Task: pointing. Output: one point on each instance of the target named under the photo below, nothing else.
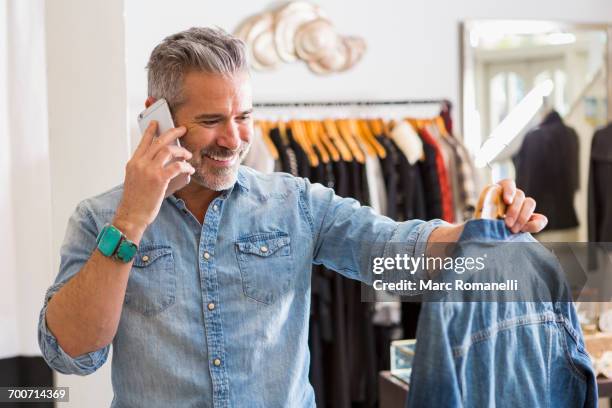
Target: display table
(391, 390)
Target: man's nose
(230, 139)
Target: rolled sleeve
(347, 235)
(79, 242)
(53, 353)
(412, 241)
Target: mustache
(222, 152)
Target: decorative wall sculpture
(299, 31)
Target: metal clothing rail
(353, 103)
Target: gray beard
(219, 179)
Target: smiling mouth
(224, 161)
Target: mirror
(502, 61)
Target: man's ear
(150, 101)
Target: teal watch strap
(113, 243)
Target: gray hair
(210, 50)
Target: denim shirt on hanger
(503, 353)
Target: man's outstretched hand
(520, 215)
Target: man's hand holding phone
(156, 161)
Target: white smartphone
(160, 111)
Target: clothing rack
(354, 103)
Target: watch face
(108, 240)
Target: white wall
(95, 93)
(25, 213)
(413, 46)
(87, 129)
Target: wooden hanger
(439, 122)
(360, 137)
(417, 124)
(264, 127)
(314, 137)
(376, 126)
(324, 137)
(345, 132)
(369, 135)
(386, 126)
(331, 129)
(304, 141)
(491, 203)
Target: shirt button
(145, 258)
(217, 362)
(211, 306)
(206, 255)
(264, 249)
(215, 207)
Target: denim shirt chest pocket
(152, 283)
(266, 265)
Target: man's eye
(209, 122)
(244, 117)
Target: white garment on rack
(259, 157)
(408, 141)
(376, 181)
(376, 185)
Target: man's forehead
(217, 93)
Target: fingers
(146, 139)
(514, 209)
(536, 223)
(176, 168)
(509, 189)
(168, 152)
(524, 215)
(166, 138)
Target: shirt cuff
(412, 241)
(53, 353)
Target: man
(213, 308)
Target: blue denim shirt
(216, 315)
(503, 353)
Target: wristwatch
(113, 243)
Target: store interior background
(75, 80)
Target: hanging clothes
(442, 180)
(288, 159)
(466, 174)
(461, 172)
(390, 175)
(600, 187)
(547, 170)
(450, 164)
(349, 339)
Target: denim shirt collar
(241, 181)
(482, 230)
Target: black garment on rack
(287, 156)
(413, 192)
(431, 183)
(278, 143)
(600, 186)
(303, 164)
(547, 170)
(341, 177)
(343, 353)
(390, 172)
(405, 183)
